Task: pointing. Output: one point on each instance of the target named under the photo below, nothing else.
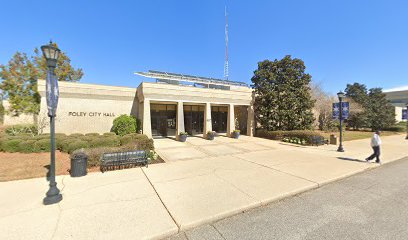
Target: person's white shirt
(375, 140)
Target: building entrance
(219, 116)
(163, 119)
(194, 119)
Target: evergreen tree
(377, 111)
(282, 95)
(381, 113)
(19, 79)
(358, 94)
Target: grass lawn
(355, 135)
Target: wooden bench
(111, 161)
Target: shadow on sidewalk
(351, 159)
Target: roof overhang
(189, 78)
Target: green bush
(109, 134)
(43, 145)
(63, 144)
(27, 146)
(10, 145)
(75, 145)
(395, 128)
(301, 135)
(42, 136)
(22, 128)
(92, 134)
(124, 124)
(129, 138)
(76, 135)
(105, 142)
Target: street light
(340, 95)
(51, 54)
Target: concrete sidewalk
(159, 201)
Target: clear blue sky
(341, 42)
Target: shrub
(92, 134)
(395, 128)
(294, 136)
(20, 129)
(105, 142)
(42, 136)
(76, 135)
(43, 145)
(63, 144)
(109, 134)
(137, 141)
(27, 146)
(75, 145)
(124, 124)
(10, 145)
(129, 138)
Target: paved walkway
(201, 183)
(366, 206)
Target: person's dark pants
(376, 154)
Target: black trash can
(79, 163)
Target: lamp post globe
(340, 95)
(51, 54)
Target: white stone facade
(88, 108)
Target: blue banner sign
(404, 114)
(345, 110)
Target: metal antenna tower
(226, 73)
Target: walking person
(375, 144)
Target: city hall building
(167, 105)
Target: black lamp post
(341, 96)
(51, 53)
(407, 121)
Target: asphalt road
(370, 205)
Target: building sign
(91, 114)
(345, 112)
(404, 114)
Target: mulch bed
(16, 166)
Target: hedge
(305, 135)
(43, 145)
(10, 145)
(69, 143)
(395, 128)
(26, 146)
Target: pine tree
(282, 95)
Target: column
(231, 120)
(147, 124)
(207, 120)
(180, 119)
(251, 121)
